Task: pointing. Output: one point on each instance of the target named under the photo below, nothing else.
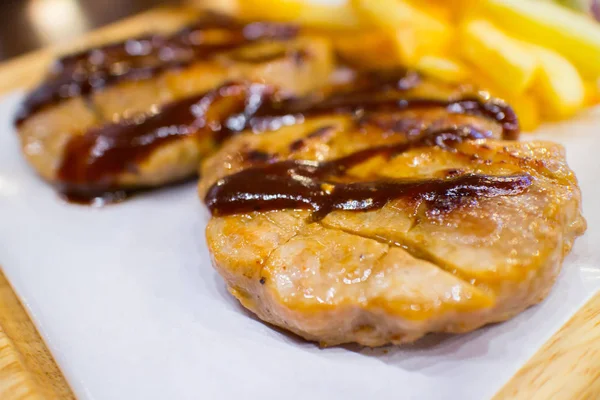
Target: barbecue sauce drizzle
(91, 161)
(144, 57)
(320, 186)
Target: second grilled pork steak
(94, 100)
(344, 231)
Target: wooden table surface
(566, 367)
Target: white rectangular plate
(127, 300)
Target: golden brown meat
(89, 96)
(447, 261)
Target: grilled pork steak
(124, 116)
(380, 227)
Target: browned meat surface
(89, 99)
(433, 260)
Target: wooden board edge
(27, 369)
(566, 367)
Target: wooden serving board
(566, 367)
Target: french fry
(415, 32)
(329, 16)
(592, 93)
(503, 59)
(558, 84)
(443, 69)
(572, 35)
(528, 110)
(227, 7)
(373, 49)
(441, 10)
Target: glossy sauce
(279, 113)
(102, 153)
(92, 160)
(320, 186)
(142, 58)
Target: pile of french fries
(540, 57)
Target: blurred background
(26, 25)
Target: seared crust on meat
(394, 274)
